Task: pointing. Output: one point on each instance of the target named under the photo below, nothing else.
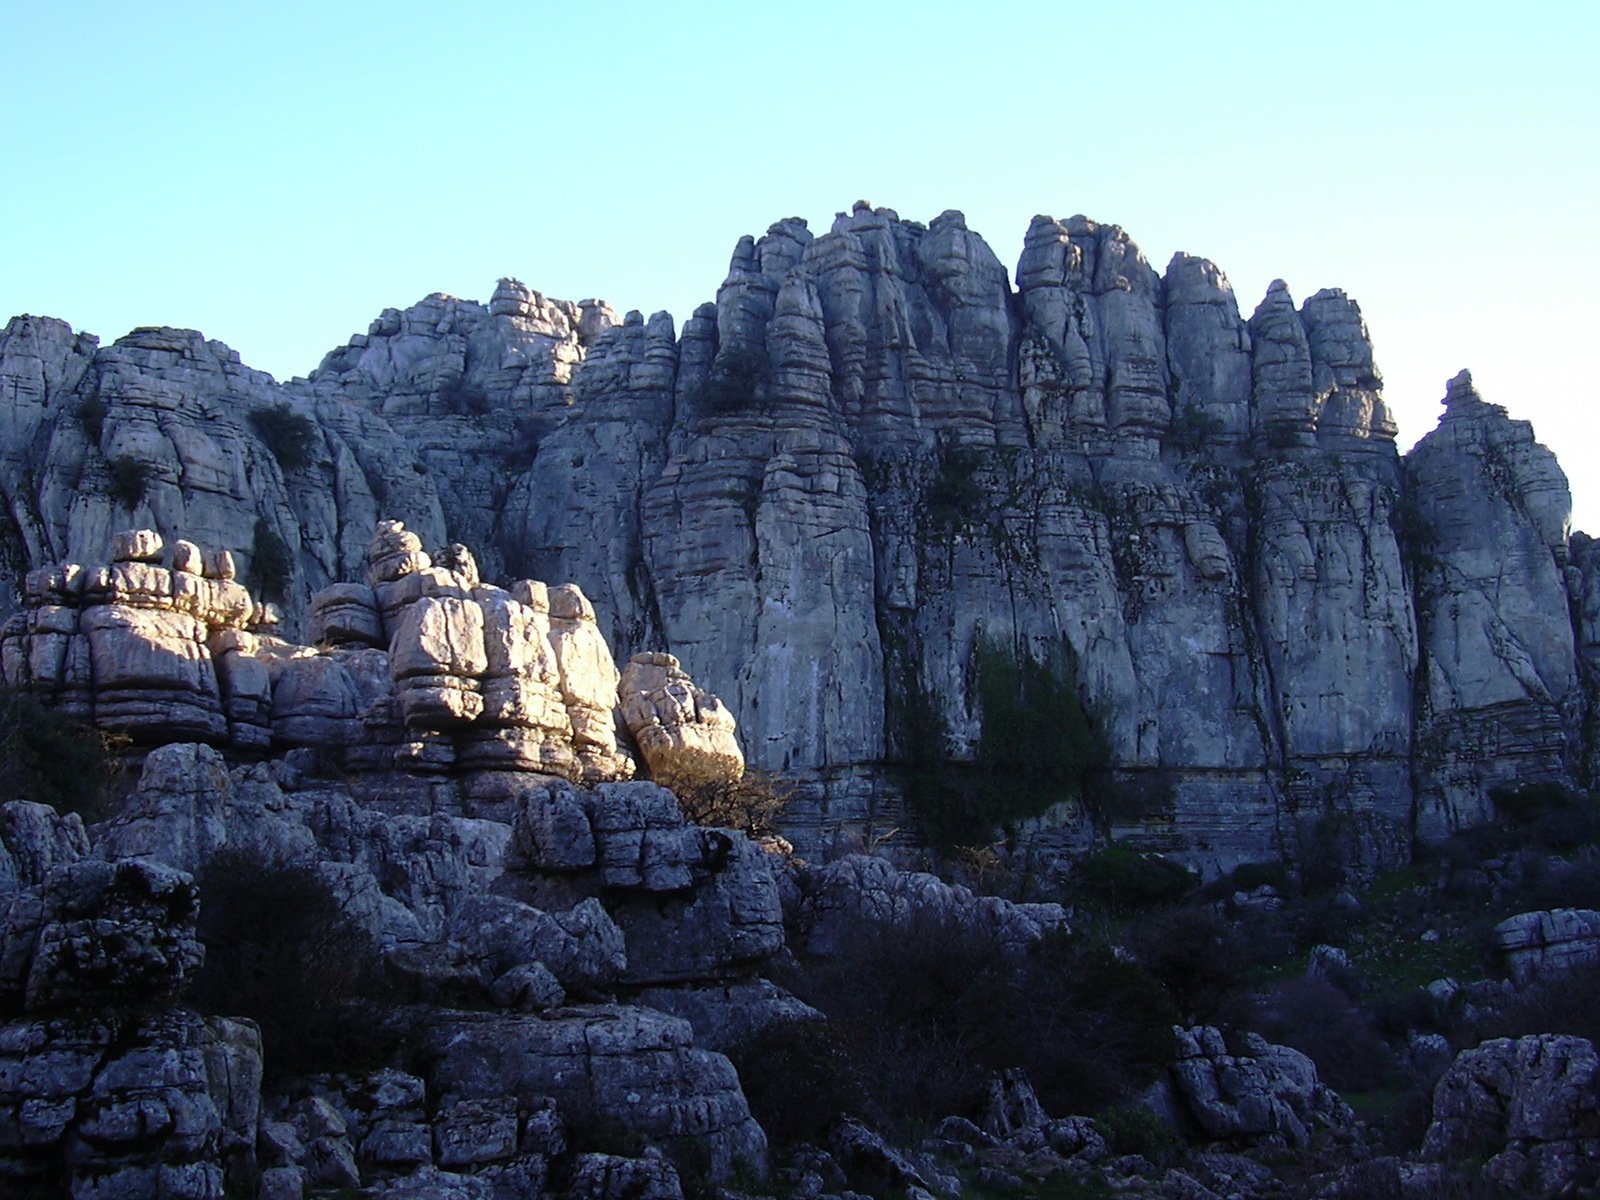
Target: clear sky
(275, 175)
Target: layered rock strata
(423, 668)
(518, 908)
(873, 456)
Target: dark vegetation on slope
(918, 1022)
(1025, 701)
(271, 563)
(291, 436)
(128, 479)
(51, 758)
(281, 950)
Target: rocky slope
(453, 773)
(447, 773)
(874, 460)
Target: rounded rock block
(394, 552)
(187, 557)
(136, 546)
(683, 733)
(345, 614)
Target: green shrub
(271, 563)
(291, 436)
(1101, 1026)
(281, 951)
(800, 1077)
(956, 495)
(1192, 429)
(1127, 798)
(1129, 1130)
(1247, 877)
(50, 758)
(914, 1009)
(1559, 1001)
(1326, 1025)
(129, 479)
(1036, 734)
(751, 803)
(1566, 885)
(1036, 746)
(920, 1018)
(469, 399)
(738, 376)
(91, 414)
(1196, 955)
(1124, 880)
(1548, 816)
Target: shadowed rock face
(874, 452)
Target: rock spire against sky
(275, 178)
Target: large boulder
(604, 1065)
(1252, 1093)
(1532, 1105)
(1534, 943)
(682, 731)
(95, 933)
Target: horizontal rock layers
(423, 671)
(875, 455)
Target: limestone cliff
(874, 457)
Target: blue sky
(275, 175)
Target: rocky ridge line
(873, 454)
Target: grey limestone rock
(34, 839)
(1531, 1104)
(1534, 943)
(727, 1016)
(682, 731)
(612, 1177)
(1255, 1094)
(162, 1105)
(1499, 685)
(629, 1066)
(95, 932)
(857, 895)
(870, 457)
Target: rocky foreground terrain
(396, 893)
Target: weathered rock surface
(95, 932)
(1534, 943)
(1532, 1105)
(425, 668)
(482, 875)
(1255, 1093)
(682, 732)
(872, 453)
(630, 1066)
(154, 1106)
(830, 906)
(1499, 687)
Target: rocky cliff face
(450, 770)
(874, 461)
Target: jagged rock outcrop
(1531, 1105)
(1499, 690)
(628, 1066)
(486, 878)
(154, 1105)
(871, 458)
(424, 667)
(1250, 1093)
(1534, 943)
(830, 906)
(99, 932)
(682, 732)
